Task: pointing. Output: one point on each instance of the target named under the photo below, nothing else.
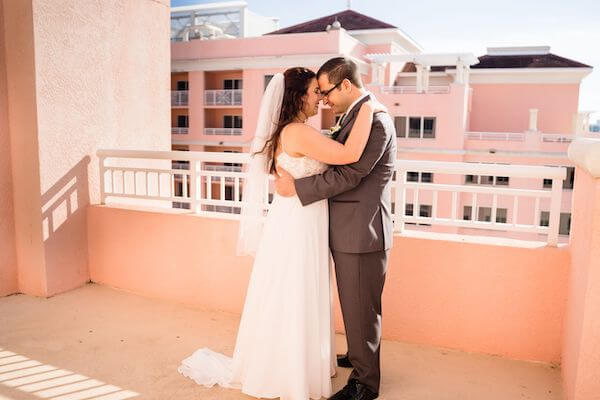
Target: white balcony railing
(224, 131)
(496, 136)
(199, 181)
(556, 138)
(179, 97)
(226, 97)
(179, 130)
(439, 89)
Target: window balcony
(556, 138)
(226, 97)
(224, 131)
(179, 98)
(496, 136)
(179, 130)
(409, 89)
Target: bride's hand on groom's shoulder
(284, 183)
(376, 106)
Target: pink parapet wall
(581, 348)
(483, 298)
(505, 107)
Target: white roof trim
(518, 50)
(432, 59)
(396, 31)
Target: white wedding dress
(284, 347)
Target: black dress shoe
(355, 390)
(343, 361)
(362, 392)
(345, 393)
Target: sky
(570, 28)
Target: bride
(284, 345)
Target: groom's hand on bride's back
(284, 183)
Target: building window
(484, 214)
(428, 127)
(425, 177)
(400, 125)
(487, 180)
(182, 121)
(414, 127)
(567, 183)
(229, 84)
(565, 224)
(545, 218)
(502, 180)
(182, 85)
(570, 180)
(424, 211)
(267, 81)
(471, 179)
(232, 121)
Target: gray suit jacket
(360, 216)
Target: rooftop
(96, 343)
(350, 20)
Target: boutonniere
(334, 131)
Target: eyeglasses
(326, 93)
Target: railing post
(555, 203)
(102, 171)
(194, 186)
(400, 200)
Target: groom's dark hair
(340, 68)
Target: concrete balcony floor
(96, 342)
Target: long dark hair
(296, 83)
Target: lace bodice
(299, 167)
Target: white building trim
(224, 143)
(386, 36)
(480, 152)
(262, 62)
(432, 59)
(518, 51)
(526, 75)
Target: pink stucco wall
(505, 107)
(581, 348)
(77, 84)
(8, 260)
(493, 299)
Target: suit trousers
(360, 278)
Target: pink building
(511, 106)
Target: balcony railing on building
(407, 89)
(225, 97)
(556, 138)
(224, 131)
(179, 97)
(179, 130)
(496, 136)
(216, 190)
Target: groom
(360, 223)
